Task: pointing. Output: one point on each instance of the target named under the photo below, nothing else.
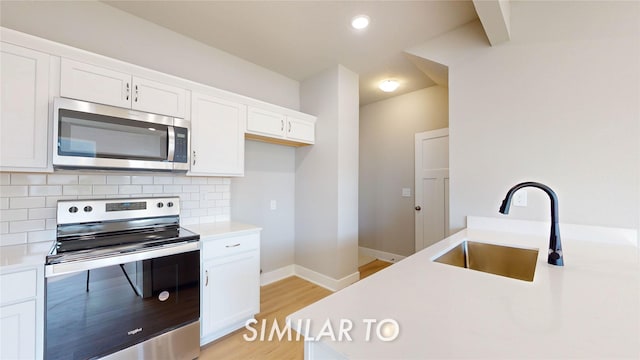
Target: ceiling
(301, 38)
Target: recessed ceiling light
(360, 22)
(389, 85)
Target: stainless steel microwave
(95, 136)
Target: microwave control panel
(182, 145)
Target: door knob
(418, 208)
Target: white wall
(558, 104)
(102, 29)
(387, 129)
(268, 175)
(326, 176)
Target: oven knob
(160, 204)
(170, 204)
(73, 209)
(88, 208)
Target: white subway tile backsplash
(62, 179)
(172, 188)
(92, 179)
(40, 236)
(163, 180)
(28, 179)
(150, 189)
(119, 179)
(13, 239)
(13, 190)
(5, 179)
(50, 224)
(45, 190)
(105, 189)
(130, 189)
(42, 213)
(190, 188)
(198, 180)
(182, 180)
(26, 225)
(77, 190)
(27, 202)
(142, 180)
(52, 201)
(14, 215)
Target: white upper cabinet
(280, 128)
(217, 136)
(24, 109)
(96, 84)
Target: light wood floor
(277, 301)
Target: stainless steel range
(122, 282)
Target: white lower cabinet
(230, 284)
(21, 324)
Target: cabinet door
(300, 130)
(266, 123)
(217, 136)
(18, 331)
(24, 108)
(96, 84)
(158, 98)
(231, 291)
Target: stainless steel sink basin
(515, 263)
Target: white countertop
(221, 229)
(590, 308)
(24, 255)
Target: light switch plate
(273, 204)
(406, 192)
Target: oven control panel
(89, 210)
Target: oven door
(94, 312)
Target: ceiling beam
(495, 18)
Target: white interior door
(432, 187)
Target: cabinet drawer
(18, 286)
(229, 246)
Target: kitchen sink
(512, 262)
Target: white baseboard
(309, 275)
(382, 255)
(277, 275)
(324, 280)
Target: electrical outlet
(273, 204)
(520, 198)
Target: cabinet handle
(289, 126)
(281, 125)
(128, 91)
(234, 245)
(136, 98)
(206, 278)
(194, 157)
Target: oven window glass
(101, 311)
(99, 136)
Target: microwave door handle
(171, 139)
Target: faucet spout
(555, 246)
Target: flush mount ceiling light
(388, 85)
(360, 22)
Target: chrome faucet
(555, 246)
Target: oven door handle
(171, 140)
(83, 265)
